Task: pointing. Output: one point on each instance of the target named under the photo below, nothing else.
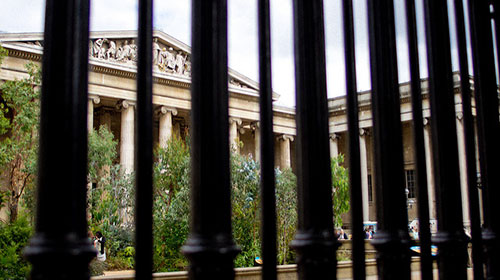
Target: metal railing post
(419, 144)
(358, 237)
(210, 247)
(60, 248)
(315, 241)
(144, 145)
(450, 239)
(267, 179)
(392, 239)
(486, 96)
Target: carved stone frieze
(124, 51)
(165, 58)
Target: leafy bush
(246, 208)
(340, 189)
(97, 268)
(110, 201)
(171, 205)
(19, 122)
(13, 238)
(286, 213)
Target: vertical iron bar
(358, 237)
(144, 144)
(418, 141)
(392, 239)
(450, 239)
(315, 241)
(267, 183)
(210, 247)
(486, 93)
(61, 225)
(470, 145)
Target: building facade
(111, 102)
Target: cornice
(24, 54)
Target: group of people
(99, 242)
(342, 235)
(369, 233)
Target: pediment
(171, 57)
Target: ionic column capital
(363, 132)
(165, 109)
(285, 137)
(427, 121)
(255, 125)
(124, 104)
(238, 121)
(334, 136)
(95, 99)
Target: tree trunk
(13, 208)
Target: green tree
(245, 192)
(286, 213)
(340, 189)
(171, 172)
(19, 121)
(110, 200)
(171, 205)
(101, 152)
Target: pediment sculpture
(165, 58)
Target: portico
(112, 89)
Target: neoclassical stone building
(112, 88)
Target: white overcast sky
(173, 17)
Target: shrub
(246, 208)
(171, 205)
(97, 268)
(13, 238)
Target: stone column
(334, 146)
(363, 133)
(165, 131)
(285, 158)
(233, 133)
(90, 112)
(256, 129)
(430, 169)
(127, 136)
(462, 162)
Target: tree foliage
(13, 238)
(171, 212)
(171, 205)
(340, 189)
(110, 198)
(19, 121)
(3, 53)
(245, 195)
(102, 152)
(286, 213)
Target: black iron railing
(60, 248)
